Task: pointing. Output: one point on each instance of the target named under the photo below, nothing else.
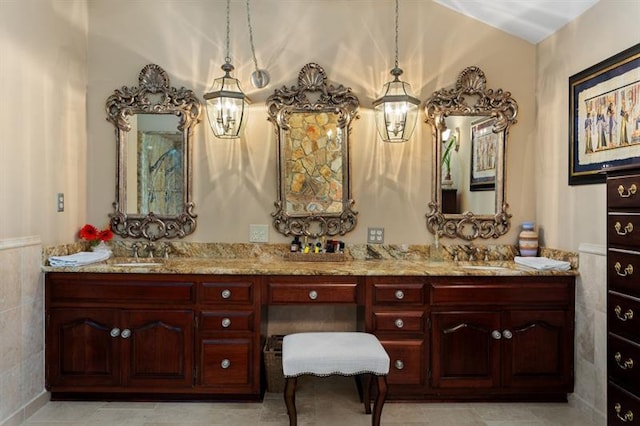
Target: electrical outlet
(60, 201)
(375, 235)
(258, 233)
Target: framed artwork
(484, 154)
(604, 117)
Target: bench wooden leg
(381, 382)
(290, 399)
(366, 392)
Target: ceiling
(532, 20)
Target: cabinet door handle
(627, 271)
(399, 294)
(226, 322)
(626, 365)
(507, 334)
(399, 323)
(126, 333)
(115, 332)
(629, 192)
(225, 363)
(398, 364)
(226, 293)
(628, 416)
(623, 231)
(313, 295)
(627, 315)
(496, 335)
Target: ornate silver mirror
(470, 126)
(312, 124)
(154, 126)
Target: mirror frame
(498, 104)
(312, 80)
(153, 96)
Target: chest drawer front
(623, 192)
(503, 294)
(319, 293)
(624, 316)
(623, 272)
(623, 362)
(227, 321)
(623, 408)
(398, 294)
(226, 363)
(623, 230)
(407, 322)
(228, 292)
(406, 361)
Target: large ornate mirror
(312, 124)
(470, 126)
(154, 125)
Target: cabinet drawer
(228, 292)
(407, 361)
(398, 321)
(623, 192)
(122, 290)
(227, 321)
(502, 294)
(624, 316)
(623, 408)
(623, 230)
(623, 269)
(320, 292)
(226, 362)
(385, 293)
(623, 362)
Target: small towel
(542, 263)
(80, 259)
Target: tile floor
(320, 402)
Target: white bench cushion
(329, 353)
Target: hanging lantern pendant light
(226, 103)
(396, 112)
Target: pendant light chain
(397, 13)
(228, 56)
(253, 50)
(259, 78)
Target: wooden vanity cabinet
(623, 297)
(502, 337)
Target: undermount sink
(138, 263)
(484, 267)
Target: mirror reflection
(312, 122)
(470, 125)
(154, 125)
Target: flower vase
(101, 246)
(528, 240)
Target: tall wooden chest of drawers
(623, 298)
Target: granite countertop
(376, 267)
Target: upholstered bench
(335, 353)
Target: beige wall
(235, 181)
(572, 215)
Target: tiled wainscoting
(590, 394)
(21, 330)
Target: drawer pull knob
(313, 295)
(628, 416)
(627, 271)
(507, 334)
(126, 333)
(627, 229)
(398, 364)
(629, 192)
(496, 335)
(626, 365)
(399, 294)
(115, 332)
(627, 315)
(399, 323)
(226, 322)
(226, 293)
(225, 363)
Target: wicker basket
(315, 257)
(273, 363)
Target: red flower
(89, 232)
(105, 235)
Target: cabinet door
(157, 348)
(538, 349)
(465, 349)
(82, 348)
